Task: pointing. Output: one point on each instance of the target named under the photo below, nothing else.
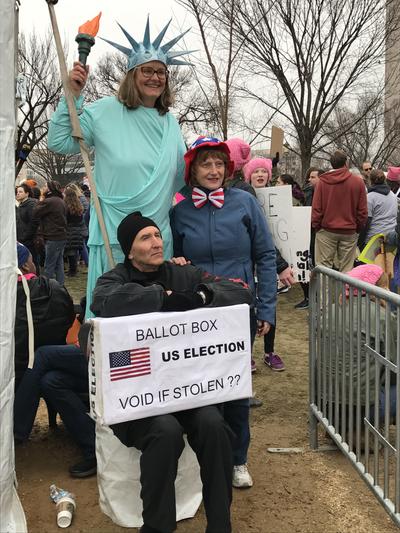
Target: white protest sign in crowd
(301, 217)
(158, 363)
(290, 227)
(276, 203)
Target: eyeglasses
(366, 169)
(149, 72)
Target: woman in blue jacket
(224, 231)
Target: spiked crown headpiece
(146, 51)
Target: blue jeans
(236, 414)
(54, 261)
(85, 254)
(59, 374)
(382, 404)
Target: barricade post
(354, 382)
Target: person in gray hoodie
(382, 208)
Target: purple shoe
(274, 362)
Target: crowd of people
(213, 248)
(51, 223)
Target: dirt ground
(308, 492)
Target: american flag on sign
(129, 363)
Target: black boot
(86, 468)
(148, 529)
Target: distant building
(392, 72)
(289, 163)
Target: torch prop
(86, 41)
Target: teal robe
(138, 167)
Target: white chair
(118, 478)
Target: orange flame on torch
(91, 27)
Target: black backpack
(52, 312)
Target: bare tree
(193, 110)
(105, 78)
(217, 73)
(37, 63)
(50, 165)
(360, 131)
(317, 54)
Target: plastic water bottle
(65, 502)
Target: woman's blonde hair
(128, 94)
(72, 201)
(76, 188)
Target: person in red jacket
(339, 212)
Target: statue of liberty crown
(146, 51)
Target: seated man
(52, 312)
(145, 283)
(371, 327)
(59, 373)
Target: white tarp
(12, 518)
(118, 478)
(156, 363)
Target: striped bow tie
(200, 197)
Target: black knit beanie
(130, 227)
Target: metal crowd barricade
(354, 377)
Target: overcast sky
(131, 14)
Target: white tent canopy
(12, 518)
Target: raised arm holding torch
(73, 87)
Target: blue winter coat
(230, 242)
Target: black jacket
(308, 194)
(51, 213)
(239, 183)
(76, 231)
(281, 264)
(53, 314)
(381, 188)
(26, 227)
(125, 290)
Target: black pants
(160, 439)
(306, 290)
(269, 339)
(73, 262)
(59, 373)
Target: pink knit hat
(239, 152)
(368, 273)
(393, 174)
(254, 164)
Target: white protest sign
(158, 363)
(302, 234)
(276, 203)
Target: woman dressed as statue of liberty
(138, 144)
